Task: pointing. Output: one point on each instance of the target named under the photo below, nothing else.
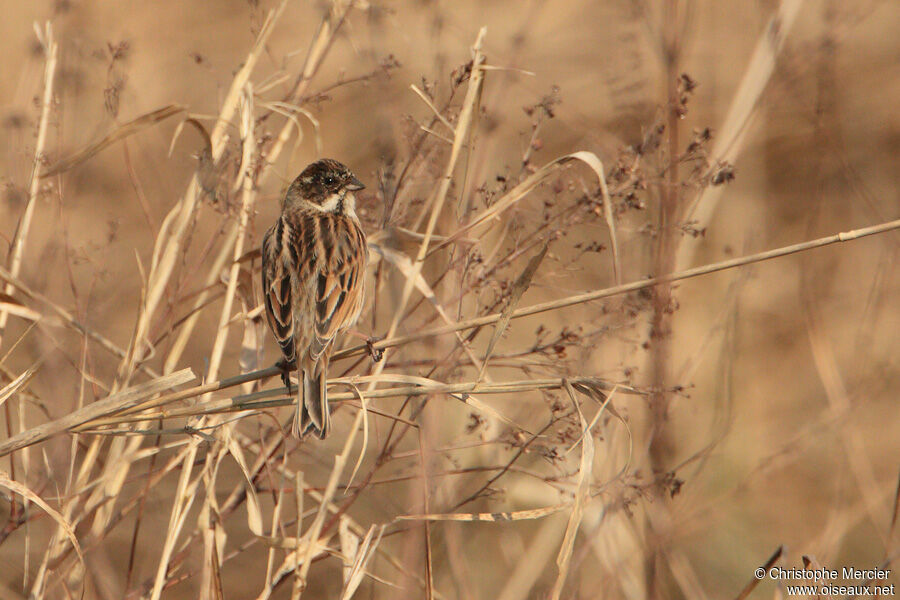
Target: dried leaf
(349, 546)
(365, 443)
(532, 181)
(123, 131)
(354, 576)
(582, 494)
(405, 266)
(18, 488)
(518, 290)
(18, 383)
(254, 327)
(254, 513)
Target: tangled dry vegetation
(477, 410)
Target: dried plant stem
(122, 406)
(179, 508)
(731, 134)
(82, 420)
(460, 135)
(836, 391)
(246, 182)
(264, 452)
(187, 328)
(315, 529)
(280, 397)
(582, 496)
(660, 442)
(630, 287)
(117, 401)
(181, 213)
(467, 115)
(328, 29)
(426, 508)
(51, 51)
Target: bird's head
(326, 185)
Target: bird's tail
(312, 412)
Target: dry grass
(564, 407)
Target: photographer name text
(845, 573)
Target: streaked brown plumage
(313, 279)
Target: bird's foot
(376, 353)
(286, 368)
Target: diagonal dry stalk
(634, 286)
(118, 401)
(733, 131)
(57, 547)
(403, 264)
(169, 244)
(492, 214)
(838, 396)
(328, 29)
(534, 559)
(51, 52)
(317, 496)
(519, 287)
(120, 133)
(184, 495)
(246, 182)
(460, 135)
(18, 383)
(61, 521)
(315, 529)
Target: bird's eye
(329, 180)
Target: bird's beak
(355, 184)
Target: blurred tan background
(787, 430)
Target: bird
(313, 280)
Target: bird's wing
(340, 283)
(276, 285)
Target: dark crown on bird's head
(320, 180)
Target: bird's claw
(286, 369)
(376, 353)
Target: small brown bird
(313, 278)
